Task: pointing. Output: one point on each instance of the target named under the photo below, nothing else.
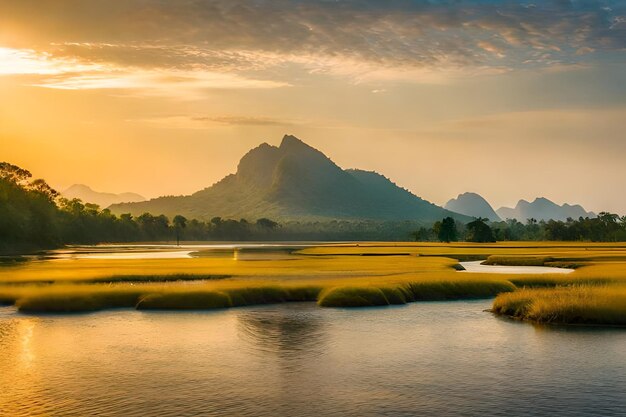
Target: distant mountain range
(296, 182)
(543, 209)
(104, 200)
(472, 204)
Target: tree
(180, 222)
(42, 187)
(479, 231)
(13, 173)
(422, 234)
(266, 223)
(446, 230)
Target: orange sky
(146, 97)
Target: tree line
(605, 227)
(34, 216)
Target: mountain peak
(287, 139)
(543, 200)
(88, 195)
(291, 143)
(543, 209)
(295, 181)
(472, 204)
(78, 187)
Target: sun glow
(47, 71)
(30, 62)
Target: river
(431, 359)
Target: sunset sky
(508, 99)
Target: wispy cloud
(242, 120)
(271, 43)
(212, 121)
(71, 73)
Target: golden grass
(410, 291)
(602, 305)
(518, 260)
(86, 270)
(333, 275)
(396, 289)
(557, 250)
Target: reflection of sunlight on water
(20, 376)
(127, 255)
(25, 334)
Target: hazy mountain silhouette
(295, 182)
(542, 209)
(472, 204)
(87, 195)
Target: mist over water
(436, 358)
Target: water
(437, 358)
(476, 266)
(164, 251)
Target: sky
(508, 99)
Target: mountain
(542, 209)
(295, 182)
(104, 200)
(472, 204)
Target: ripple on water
(297, 359)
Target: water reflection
(20, 381)
(16, 341)
(281, 331)
(440, 358)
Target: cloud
(204, 121)
(70, 73)
(242, 120)
(421, 41)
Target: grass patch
(566, 264)
(405, 292)
(197, 300)
(581, 304)
(153, 278)
(518, 260)
(163, 296)
(353, 297)
(458, 289)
